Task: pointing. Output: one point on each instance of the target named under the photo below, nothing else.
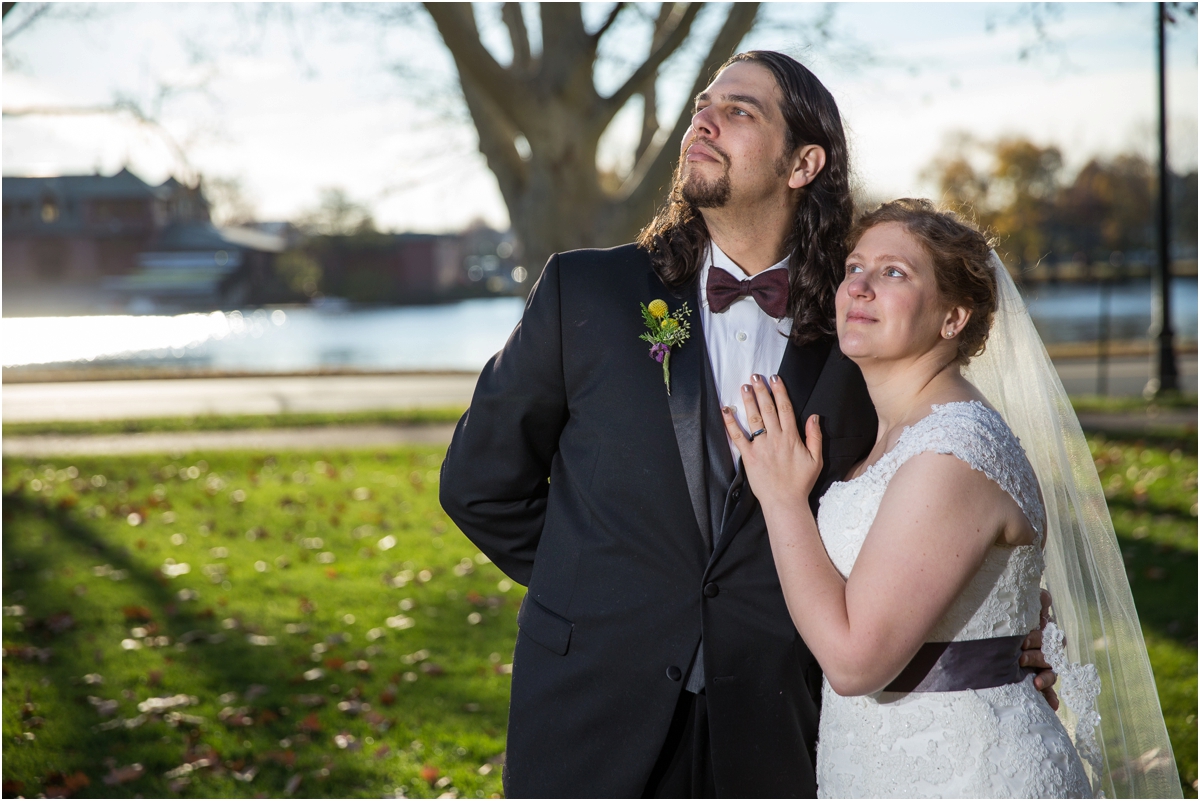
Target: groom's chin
(705, 194)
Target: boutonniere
(666, 331)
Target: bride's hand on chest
(780, 464)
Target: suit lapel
(799, 370)
(688, 363)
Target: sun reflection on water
(49, 340)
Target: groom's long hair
(677, 237)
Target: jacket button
(711, 590)
(674, 673)
(737, 493)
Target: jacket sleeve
(495, 478)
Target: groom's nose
(704, 122)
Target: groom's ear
(806, 165)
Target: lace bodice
(1003, 597)
(1002, 742)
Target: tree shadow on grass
(41, 537)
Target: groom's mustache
(710, 145)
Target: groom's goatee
(706, 194)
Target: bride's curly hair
(961, 256)
(677, 237)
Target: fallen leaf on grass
(382, 751)
(124, 775)
(430, 774)
(256, 690)
(28, 653)
(137, 613)
(311, 723)
(347, 740)
(60, 622)
(59, 786)
(292, 784)
(236, 717)
(166, 703)
(247, 775)
(105, 707)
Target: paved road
(186, 397)
(1127, 376)
(114, 400)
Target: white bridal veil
(1128, 750)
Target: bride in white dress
(921, 573)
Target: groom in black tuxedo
(644, 550)
(656, 656)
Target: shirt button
(711, 590)
(741, 336)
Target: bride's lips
(860, 317)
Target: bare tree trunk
(540, 120)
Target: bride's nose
(860, 287)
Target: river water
(459, 336)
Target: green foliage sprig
(667, 330)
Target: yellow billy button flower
(670, 324)
(658, 308)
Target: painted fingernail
(756, 378)
(745, 387)
(774, 379)
(725, 410)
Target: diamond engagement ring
(754, 434)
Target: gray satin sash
(944, 667)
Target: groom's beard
(701, 193)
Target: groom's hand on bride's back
(1032, 656)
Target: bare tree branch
(568, 55)
(649, 68)
(515, 21)
(649, 94)
(612, 17)
(497, 137)
(39, 10)
(645, 183)
(456, 24)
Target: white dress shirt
(742, 340)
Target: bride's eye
(893, 272)
(853, 268)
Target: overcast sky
(291, 99)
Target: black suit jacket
(578, 476)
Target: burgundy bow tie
(769, 290)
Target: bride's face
(888, 305)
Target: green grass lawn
(333, 634)
(331, 629)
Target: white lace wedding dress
(1002, 742)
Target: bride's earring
(949, 333)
